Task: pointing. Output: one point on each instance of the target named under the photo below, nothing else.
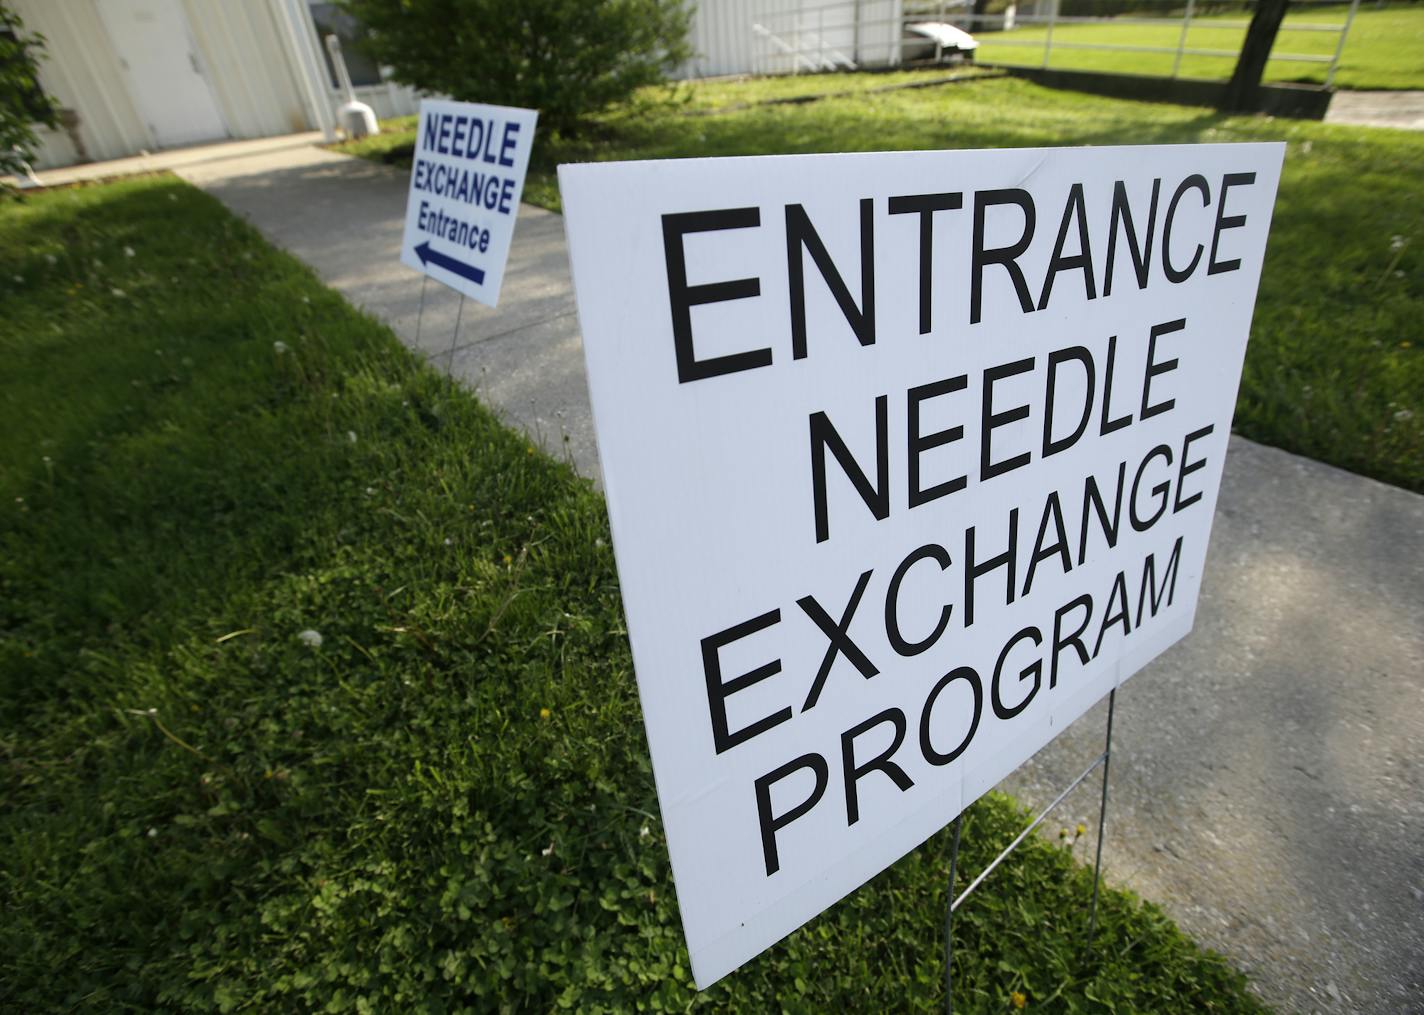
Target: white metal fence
(1052, 18)
(800, 36)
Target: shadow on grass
(316, 691)
(187, 424)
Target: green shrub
(23, 103)
(565, 58)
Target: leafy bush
(565, 58)
(23, 104)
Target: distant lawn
(722, 95)
(1384, 50)
(1335, 367)
(315, 693)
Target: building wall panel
(81, 72)
(249, 67)
(245, 51)
(753, 36)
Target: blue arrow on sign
(469, 271)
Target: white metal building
(142, 75)
(787, 36)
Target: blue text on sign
(467, 234)
(469, 137)
(466, 185)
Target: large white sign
(910, 458)
(466, 178)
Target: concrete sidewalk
(1267, 775)
(344, 217)
(1402, 110)
(174, 159)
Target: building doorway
(164, 71)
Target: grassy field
(315, 695)
(728, 94)
(1384, 50)
(1335, 366)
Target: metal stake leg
(953, 903)
(1102, 818)
(455, 338)
(949, 921)
(420, 313)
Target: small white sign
(465, 183)
(910, 459)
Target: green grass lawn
(1335, 366)
(726, 94)
(1384, 50)
(315, 694)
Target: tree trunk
(1255, 51)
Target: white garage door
(164, 73)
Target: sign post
(910, 459)
(466, 178)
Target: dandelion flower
(1082, 829)
(1018, 1000)
(310, 638)
(544, 713)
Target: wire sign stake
(420, 312)
(454, 338)
(955, 903)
